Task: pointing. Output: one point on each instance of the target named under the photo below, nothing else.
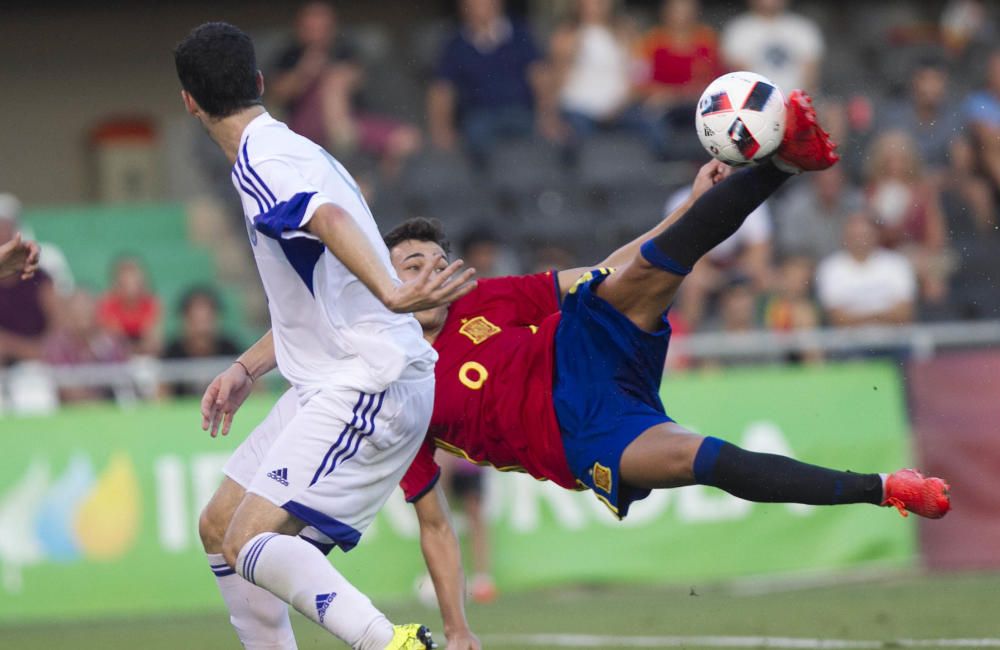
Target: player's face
(410, 258)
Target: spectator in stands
(200, 337)
(790, 306)
(130, 310)
(678, 58)
(966, 24)
(982, 113)
(926, 114)
(79, 339)
(482, 250)
(864, 284)
(738, 305)
(18, 256)
(810, 217)
(27, 307)
(906, 206)
(319, 79)
(747, 253)
(551, 255)
(591, 67)
(772, 41)
(491, 82)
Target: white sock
(297, 572)
(259, 617)
(884, 477)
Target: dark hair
(217, 65)
(200, 292)
(419, 229)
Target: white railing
(920, 341)
(33, 387)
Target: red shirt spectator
(130, 310)
(680, 54)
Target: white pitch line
(599, 641)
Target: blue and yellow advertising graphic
(99, 506)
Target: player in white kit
(343, 337)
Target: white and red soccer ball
(741, 118)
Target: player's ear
(190, 105)
(260, 83)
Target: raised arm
(709, 174)
(443, 556)
(19, 256)
(341, 234)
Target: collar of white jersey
(259, 122)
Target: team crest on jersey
(478, 329)
(602, 477)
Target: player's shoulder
(269, 139)
(516, 284)
(506, 291)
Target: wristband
(247, 370)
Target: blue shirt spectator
(493, 76)
(982, 113)
(983, 107)
(490, 83)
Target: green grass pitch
(884, 611)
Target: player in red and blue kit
(558, 374)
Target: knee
(232, 544)
(212, 526)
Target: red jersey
(694, 63)
(493, 398)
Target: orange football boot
(910, 490)
(806, 147)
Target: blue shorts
(606, 388)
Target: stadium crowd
(547, 144)
(531, 145)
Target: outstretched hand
(710, 174)
(19, 256)
(223, 397)
(429, 289)
(463, 641)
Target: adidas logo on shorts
(323, 603)
(279, 475)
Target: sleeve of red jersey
(423, 474)
(537, 296)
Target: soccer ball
(741, 118)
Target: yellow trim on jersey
(607, 504)
(461, 453)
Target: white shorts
(333, 461)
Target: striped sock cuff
(250, 553)
(652, 254)
(217, 563)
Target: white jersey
(329, 329)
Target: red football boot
(910, 490)
(806, 147)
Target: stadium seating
(93, 237)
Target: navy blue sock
(778, 479)
(713, 218)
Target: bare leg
(667, 456)
(662, 457)
(259, 617)
(215, 518)
(262, 546)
